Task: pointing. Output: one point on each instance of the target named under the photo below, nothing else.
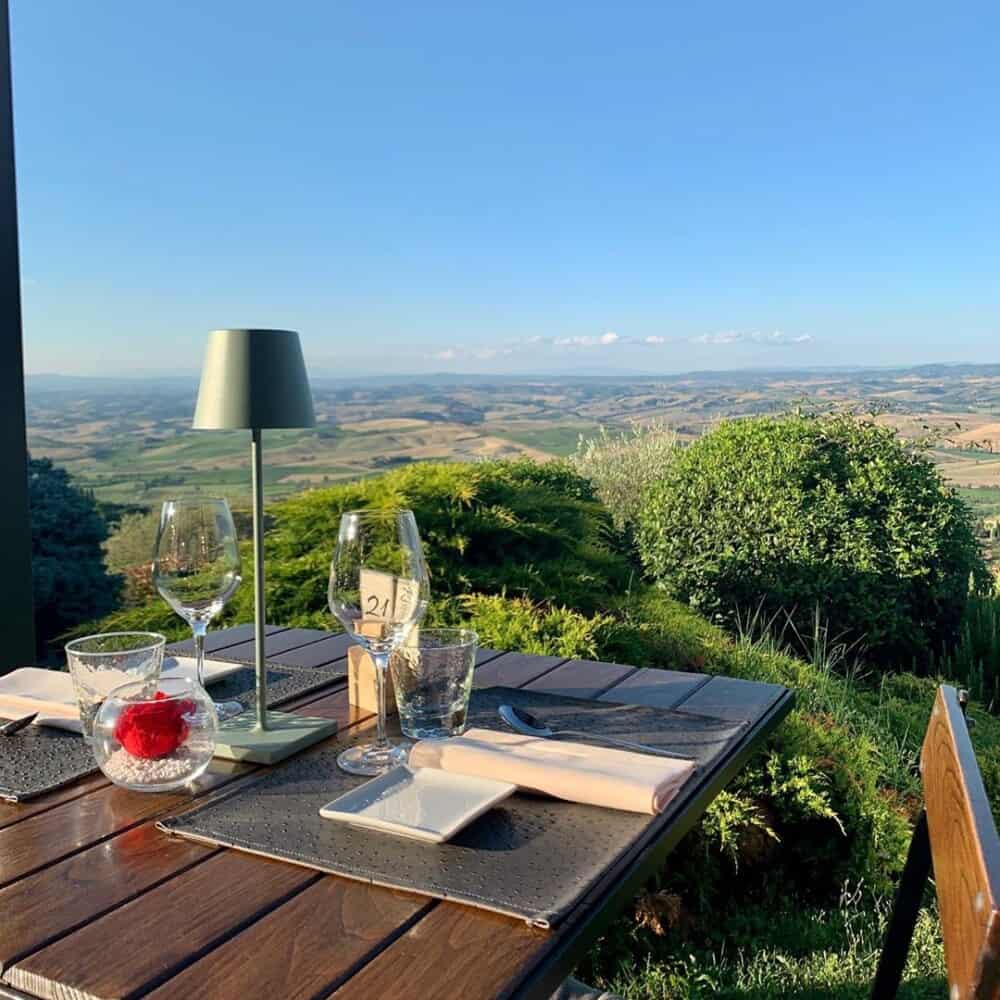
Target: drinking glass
(196, 570)
(100, 663)
(432, 678)
(379, 590)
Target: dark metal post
(257, 480)
(18, 646)
(909, 896)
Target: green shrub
(622, 466)
(520, 624)
(522, 528)
(528, 530)
(794, 512)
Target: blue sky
(524, 187)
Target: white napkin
(577, 772)
(50, 692)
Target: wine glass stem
(199, 629)
(381, 667)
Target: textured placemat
(530, 857)
(277, 660)
(283, 684)
(40, 759)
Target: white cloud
(723, 337)
(775, 338)
(462, 352)
(536, 343)
(604, 340)
(778, 339)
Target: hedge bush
(521, 528)
(791, 513)
(518, 528)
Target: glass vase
(155, 742)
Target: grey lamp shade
(253, 379)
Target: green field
(558, 440)
(984, 500)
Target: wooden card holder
(361, 690)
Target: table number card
(378, 595)
(384, 597)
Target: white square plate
(423, 803)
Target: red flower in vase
(154, 728)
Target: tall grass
(837, 686)
(974, 660)
(838, 661)
(798, 952)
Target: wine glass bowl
(379, 589)
(196, 569)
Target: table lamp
(252, 380)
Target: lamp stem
(258, 575)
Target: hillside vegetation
(797, 512)
(784, 886)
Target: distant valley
(130, 440)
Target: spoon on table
(527, 725)
(16, 725)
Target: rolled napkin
(50, 692)
(577, 772)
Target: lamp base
(239, 739)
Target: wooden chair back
(956, 834)
(965, 852)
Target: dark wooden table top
(95, 902)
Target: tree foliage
(798, 512)
(70, 582)
(621, 466)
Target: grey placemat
(40, 759)
(283, 684)
(530, 857)
(277, 660)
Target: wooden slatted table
(95, 902)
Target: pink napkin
(577, 772)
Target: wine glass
(196, 570)
(379, 590)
